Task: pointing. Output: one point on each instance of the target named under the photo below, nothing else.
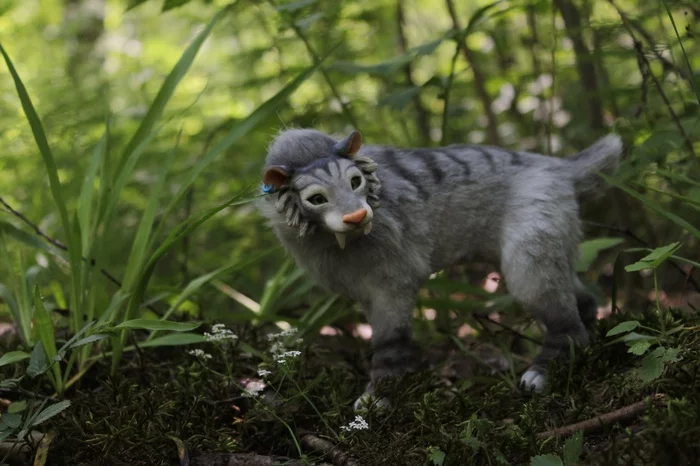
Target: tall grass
(87, 226)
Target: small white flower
(200, 354)
(219, 333)
(264, 372)
(253, 388)
(358, 424)
(285, 333)
(282, 358)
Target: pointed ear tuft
(276, 176)
(349, 146)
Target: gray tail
(602, 156)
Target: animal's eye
(355, 182)
(317, 199)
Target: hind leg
(541, 280)
(586, 304)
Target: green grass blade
(137, 257)
(175, 339)
(28, 239)
(239, 130)
(167, 89)
(676, 177)
(691, 76)
(85, 200)
(653, 205)
(44, 331)
(178, 233)
(41, 141)
(194, 285)
(13, 357)
(153, 324)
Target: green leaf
(436, 456)
(41, 142)
(151, 324)
(37, 362)
(175, 339)
(44, 330)
(85, 204)
(589, 250)
(13, 357)
(573, 448)
(11, 420)
(89, 339)
(28, 239)
(295, 6)
(167, 89)
(239, 130)
(138, 257)
(623, 327)
(50, 412)
(17, 407)
(639, 347)
(655, 258)
(545, 460)
(478, 17)
(651, 368)
(170, 4)
(653, 205)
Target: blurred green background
(534, 75)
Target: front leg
(389, 311)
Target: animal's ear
(349, 146)
(275, 176)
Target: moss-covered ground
(169, 407)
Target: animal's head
(320, 183)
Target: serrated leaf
(670, 355)
(152, 324)
(655, 258)
(11, 420)
(10, 383)
(545, 460)
(50, 412)
(651, 368)
(573, 448)
(13, 357)
(436, 456)
(639, 347)
(623, 327)
(37, 362)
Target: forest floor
(168, 406)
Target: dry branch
(621, 414)
(329, 451)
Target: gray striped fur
(439, 207)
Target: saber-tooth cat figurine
(372, 223)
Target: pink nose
(355, 217)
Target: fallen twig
(329, 451)
(626, 412)
(242, 459)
